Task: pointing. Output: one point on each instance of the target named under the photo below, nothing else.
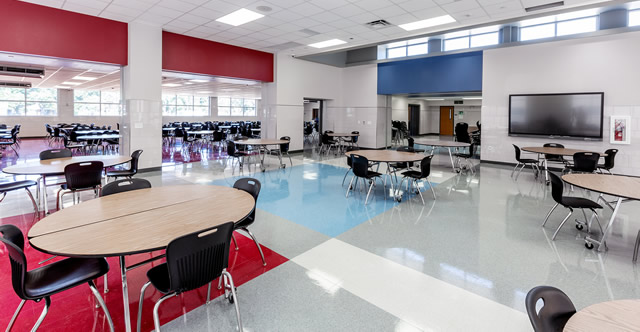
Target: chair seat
(580, 203)
(5, 187)
(121, 173)
(465, 155)
(413, 174)
(528, 161)
(159, 277)
(65, 274)
(372, 174)
(400, 165)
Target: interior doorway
(414, 119)
(312, 122)
(446, 120)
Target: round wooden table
(263, 142)
(442, 144)
(621, 315)
(342, 134)
(136, 222)
(544, 151)
(53, 167)
(621, 186)
(388, 156)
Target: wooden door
(446, 120)
(414, 120)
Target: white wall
(606, 63)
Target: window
(634, 18)
(456, 44)
(406, 48)
(485, 39)
(397, 52)
(228, 106)
(472, 38)
(560, 25)
(538, 32)
(96, 103)
(417, 49)
(185, 105)
(29, 102)
(582, 25)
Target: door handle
(449, 114)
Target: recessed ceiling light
(435, 99)
(84, 78)
(240, 17)
(203, 92)
(198, 81)
(188, 83)
(428, 23)
(170, 85)
(472, 98)
(62, 87)
(328, 43)
(71, 83)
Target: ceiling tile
(389, 11)
(429, 13)
(504, 7)
(177, 5)
(117, 16)
(348, 10)
(413, 5)
(306, 9)
(459, 6)
(96, 4)
(373, 4)
(74, 7)
(471, 14)
(198, 20)
(48, 3)
(329, 4)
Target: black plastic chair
(81, 177)
(51, 279)
(462, 132)
(12, 142)
(554, 158)
(360, 167)
(400, 166)
(17, 185)
(251, 186)
(415, 176)
(193, 260)
(349, 163)
(609, 161)
(524, 162)
(557, 187)
(466, 156)
(128, 173)
(282, 149)
(233, 152)
(556, 311)
(584, 162)
(121, 186)
(55, 153)
(411, 144)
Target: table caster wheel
(230, 298)
(588, 245)
(579, 227)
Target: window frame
(244, 107)
(26, 101)
(192, 105)
(99, 103)
(555, 27)
(633, 12)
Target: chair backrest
(462, 132)
(556, 310)
(609, 159)
(55, 153)
(285, 147)
(354, 139)
(360, 165)
(195, 259)
(14, 241)
(231, 148)
(517, 149)
(586, 162)
(121, 186)
(252, 186)
(425, 166)
(557, 187)
(84, 175)
(552, 145)
(405, 149)
(349, 162)
(410, 141)
(135, 158)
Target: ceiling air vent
(545, 6)
(15, 84)
(34, 72)
(378, 24)
(309, 32)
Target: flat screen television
(560, 115)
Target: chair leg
(549, 214)
(264, 262)
(156, 317)
(208, 294)
(419, 192)
(234, 241)
(345, 176)
(235, 298)
(101, 302)
(368, 193)
(33, 201)
(349, 188)
(431, 187)
(514, 169)
(144, 288)
(15, 315)
(635, 250)
(106, 284)
(47, 304)
(561, 224)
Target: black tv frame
(584, 138)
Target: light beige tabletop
(342, 134)
(388, 156)
(200, 132)
(138, 221)
(260, 141)
(557, 151)
(621, 315)
(56, 166)
(430, 142)
(615, 185)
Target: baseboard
(503, 163)
(150, 169)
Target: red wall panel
(41, 30)
(193, 55)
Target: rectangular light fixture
(71, 83)
(435, 99)
(240, 17)
(84, 78)
(170, 85)
(472, 98)
(203, 92)
(198, 81)
(431, 22)
(328, 43)
(545, 6)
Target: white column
(142, 77)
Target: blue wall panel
(448, 73)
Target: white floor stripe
(421, 300)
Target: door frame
(452, 117)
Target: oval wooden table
(442, 144)
(262, 144)
(53, 167)
(137, 221)
(544, 151)
(388, 156)
(621, 315)
(621, 186)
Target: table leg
(601, 243)
(262, 156)
(390, 179)
(453, 166)
(125, 294)
(546, 171)
(44, 194)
